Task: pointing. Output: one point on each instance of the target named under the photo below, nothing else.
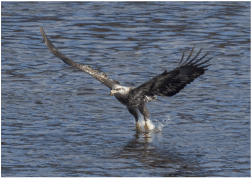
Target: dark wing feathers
(102, 77)
(170, 83)
(165, 84)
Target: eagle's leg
(144, 111)
(134, 112)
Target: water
(59, 121)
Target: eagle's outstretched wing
(170, 83)
(102, 77)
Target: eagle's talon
(146, 127)
(138, 127)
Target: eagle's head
(118, 89)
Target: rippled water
(59, 121)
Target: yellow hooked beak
(112, 92)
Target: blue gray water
(59, 121)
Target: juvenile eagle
(134, 98)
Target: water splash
(157, 127)
(163, 123)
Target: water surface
(59, 121)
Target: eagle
(165, 84)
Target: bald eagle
(134, 98)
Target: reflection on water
(161, 161)
(58, 121)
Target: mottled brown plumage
(164, 84)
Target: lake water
(59, 121)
